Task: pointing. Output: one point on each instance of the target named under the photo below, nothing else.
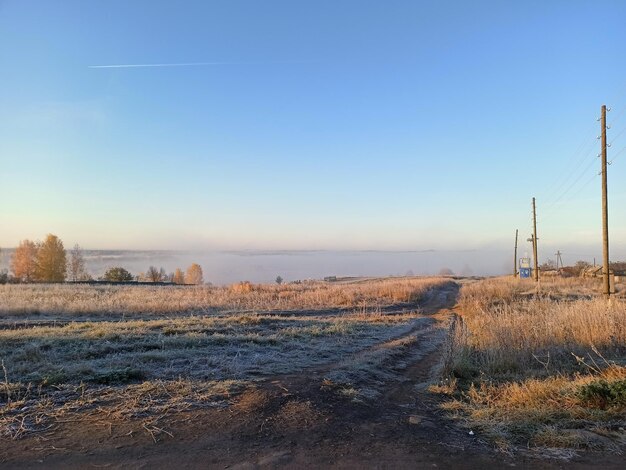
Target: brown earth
(295, 421)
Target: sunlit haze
(327, 125)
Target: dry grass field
(144, 351)
(542, 367)
(323, 373)
(104, 301)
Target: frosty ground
(339, 374)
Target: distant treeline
(48, 262)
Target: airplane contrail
(192, 64)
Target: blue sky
(327, 124)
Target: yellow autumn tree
(24, 261)
(51, 260)
(194, 274)
(179, 276)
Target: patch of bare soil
(296, 421)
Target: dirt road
(304, 420)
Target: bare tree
(581, 266)
(24, 261)
(76, 265)
(156, 275)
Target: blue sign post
(524, 268)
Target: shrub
(117, 274)
(602, 394)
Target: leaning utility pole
(536, 263)
(515, 256)
(605, 208)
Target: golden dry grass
(539, 333)
(548, 412)
(521, 357)
(23, 300)
(496, 291)
(510, 327)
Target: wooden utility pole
(536, 262)
(605, 209)
(515, 256)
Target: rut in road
(387, 360)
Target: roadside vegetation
(542, 367)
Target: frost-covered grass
(136, 349)
(206, 348)
(30, 300)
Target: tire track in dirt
(402, 428)
(403, 415)
(428, 328)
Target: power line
(616, 136)
(622, 109)
(618, 115)
(617, 155)
(618, 99)
(578, 163)
(554, 208)
(555, 191)
(586, 169)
